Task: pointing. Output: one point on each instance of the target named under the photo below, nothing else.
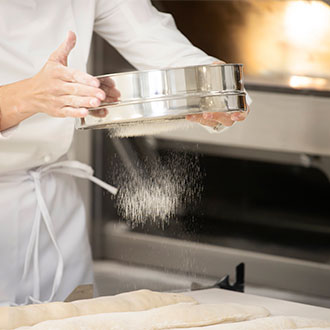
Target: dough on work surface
(182, 315)
(273, 323)
(14, 317)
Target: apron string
(34, 240)
(68, 167)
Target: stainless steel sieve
(165, 95)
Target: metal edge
(103, 124)
(170, 69)
(169, 98)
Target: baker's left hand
(214, 119)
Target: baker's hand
(213, 119)
(56, 90)
(61, 91)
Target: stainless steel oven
(266, 198)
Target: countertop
(275, 306)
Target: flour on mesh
(148, 128)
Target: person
(44, 248)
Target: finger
(207, 122)
(112, 94)
(242, 115)
(83, 90)
(193, 117)
(80, 101)
(101, 113)
(238, 116)
(111, 100)
(199, 119)
(72, 112)
(196, 118)
(109, 87)
(76, 76)
(61, 54)
(220, 117)
(107, 81)
(110, 91)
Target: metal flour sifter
(159, 100)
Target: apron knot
(34, 174)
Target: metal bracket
(239, 283)
(224, 282)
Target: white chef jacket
(44, 248)
(30, 30)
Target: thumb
(62, 52)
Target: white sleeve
(7, 133)
(248, 98)
(147, 38)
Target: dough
(273, 323)
(302, 322)
(14, 317)
(183, 315)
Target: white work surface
(275, 306)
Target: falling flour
(158, 189)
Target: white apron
(44, 245)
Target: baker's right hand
(60, 91)
(56, 90)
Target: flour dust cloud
(158, 189)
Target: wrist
(20, 99)
(14, 104)
(2, 108)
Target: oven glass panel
(251, 205)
